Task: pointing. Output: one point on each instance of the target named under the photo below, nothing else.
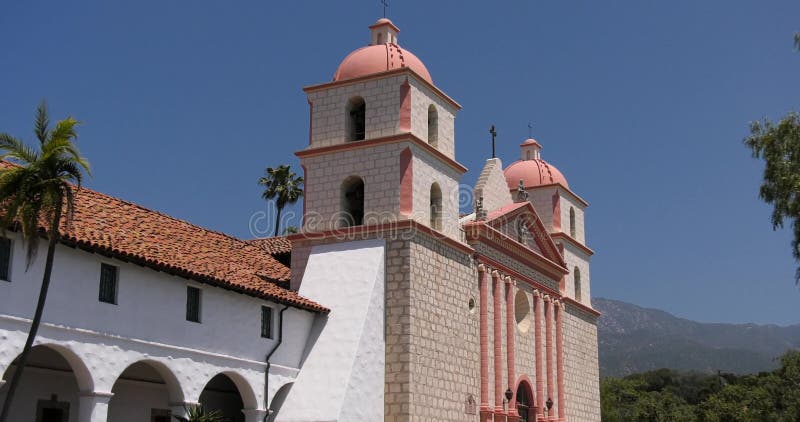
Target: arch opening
(433, 126)
(436, 207)
(144, 390)
(356, 119)
(572, 222)
(352, 202)
(577, 280)
(228, 393)
(50, 386)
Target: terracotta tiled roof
(273, 245)
(133, 233)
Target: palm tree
(35, 191)
(283, 186)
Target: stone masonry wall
(421, 98)
(329, 110)
(445, 343)
(428, 170)
(575, 257)
(378, 166)
(567, 201)
(581, 370)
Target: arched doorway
(524, 402)
(143, 392)
(228, 394)
(49, 388)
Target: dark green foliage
(282, 185)
(779, 146)
(668, 395)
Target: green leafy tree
(283, 186)
(36, 191)
(779, 146)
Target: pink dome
(381, 55)
(530, 141)
(379, 58)
(536, 172)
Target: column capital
(481, 268)
(495, 274)
(537, 293)
(547, 298)
(99, 394)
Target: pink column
(537, 322)
(562, 408)
(484, 333)
(548, 332)
(498, 344)
(513, 416)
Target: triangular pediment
(520, 222)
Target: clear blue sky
(642, 105)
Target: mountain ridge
(635, 339)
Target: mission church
(387, 305)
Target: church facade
(389, 304)
(486, 316)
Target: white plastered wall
(344, 373)
(492, 186)
(147, 323)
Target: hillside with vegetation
(633, 339)
(666, 395)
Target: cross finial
(494, 135)
(530, 129)
(385, 4)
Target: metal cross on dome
(494, 135)
(385, 4)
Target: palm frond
(44, 184)
(41, 127)
(16, 150)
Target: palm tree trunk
(277, 223)
(37, 316)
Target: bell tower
(381, 143)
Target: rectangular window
(108, 283)
(5, 258)
(266, 322)
(192, 304)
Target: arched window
(572, 222)
(380, 39)
(356, 119)
(524, 409)
(577, 276)
(436, 207)
(527, 155)
(352, 201)
(433, 125)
